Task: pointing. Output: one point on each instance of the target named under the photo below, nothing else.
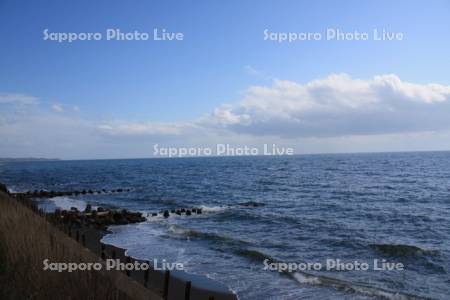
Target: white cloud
(57, 108)
(335, 106)
(18, 99)
(334, 114)
(256, 73)
(123, 128)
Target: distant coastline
(24, 159)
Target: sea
(263, 213)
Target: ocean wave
(402, 250)
(205, 209)
(221, 208)
(66, 203)
(244, 248)
(13, 189)
(159, 216)
(351, 287)
(167, 201)
(255, 254)
(261, 216)
(210, 236)
(326, 281)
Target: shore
(26, 240)
(201, 287)
(20, 211)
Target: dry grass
(26, 240)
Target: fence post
(51, 240)
(128, 271)
(166, 284)
(146, 278)
(187, 291)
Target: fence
(79, 234)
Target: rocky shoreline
(49, 194)
(90, 225)
(99, 217)
(103, 217)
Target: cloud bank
(18, 99)
(337, 113)
(337, 105)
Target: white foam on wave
(305, 278)
(159, 217)
(13, 190)
(310, 279)
(63, 202)
(213, 208)
(372, 292)
(175, 229)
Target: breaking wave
(401, 250)
(67, 203)
(330, 282)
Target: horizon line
(45, 159)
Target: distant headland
(24, 159)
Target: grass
(26, 239)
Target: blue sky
(223, 54)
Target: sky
(223, 82)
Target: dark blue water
(316, 207)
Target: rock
(199, 211)
(100, 218)
(88, 208)
(43, 193)
(154, 214)
(134, 217)
(252, 204)
(188, 212)
(178, 212)
(118, 218)
(166, 214)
